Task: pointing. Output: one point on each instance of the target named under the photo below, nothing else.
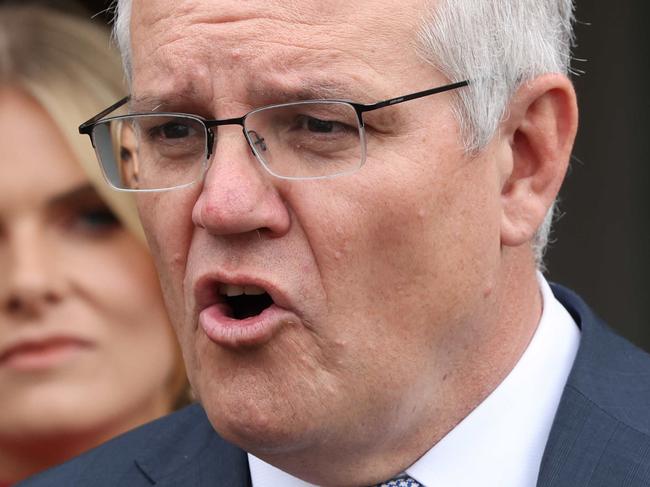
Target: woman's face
(85, 345)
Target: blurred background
(600, 243)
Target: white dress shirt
(501, 442)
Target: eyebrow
(84, 192)
(262, 93)
(309, 90)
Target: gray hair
(122, 33)
(498, 44)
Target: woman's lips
(246, 333)
(42, 355)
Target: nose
(238, 196)
(31, 283)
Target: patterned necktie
(401, 482)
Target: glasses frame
(87, 128)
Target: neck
(23, 455)
(21, 458)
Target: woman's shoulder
(125, 460)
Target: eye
(173, 130)
(93, 221)
(125, 154)
(321, 126)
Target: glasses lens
(151, 152)
(307, 140)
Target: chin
(260, 399)
(257, 419)
(254, 430)
(47, 427)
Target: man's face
(379, 278)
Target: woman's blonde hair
(68, 65)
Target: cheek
(124, 288)
(406, 246)
(167, 221)
(129, 323)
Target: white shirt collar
(489, 447)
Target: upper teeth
(232, 290)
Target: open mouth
(244, 301)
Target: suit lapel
(578, 441)
(587, 430)
(192, 454)
(214, 466)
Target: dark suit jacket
(600, 437)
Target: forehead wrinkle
(316, 42)
(189, 15)
(235, 44)
(249, 19)
(290, 11)
(299, 87)
(298, 71)
(192, 45)
(293, 74)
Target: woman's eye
(94, 221)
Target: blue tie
(401, 482)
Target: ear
(536, 142)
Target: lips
(42, 353)
(241, 312)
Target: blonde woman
(86, 349)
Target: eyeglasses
(158, 151)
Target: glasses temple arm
(412, 96)
(86, 127)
